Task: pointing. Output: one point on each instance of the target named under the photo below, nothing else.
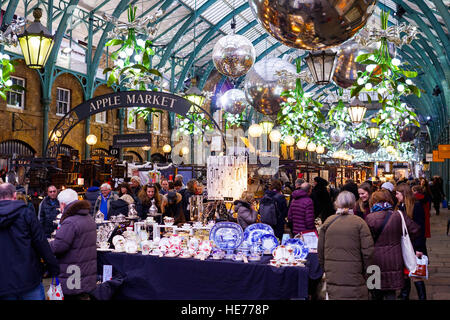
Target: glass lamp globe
(184, 151)
(275, 136)
(311, 147)
(146, 148)
(320, 149)
(233, 55)
(167, 148)
(302, 143)
(91, 139)
(289, 141)
(255, 130)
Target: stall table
(164, 278)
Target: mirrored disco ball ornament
(346, 71)
(233, 55)
(408, 133)
(312, 24)
(233, 101)
(337, 136)
(263, 87)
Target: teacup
(104, 245)
(168, 221)
(146, 247)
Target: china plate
(116, 238)
(226, 235)
(269, 242)
(300, 250)
(104, 250)
(255, 231)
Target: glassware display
(132, 212)
(99, 217)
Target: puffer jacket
(345, 250)
(301, 212)
(246, 215)
(388, 250)
(75, 244)
(47, 214)
(91, 195)
(118, 207)
(23, 245)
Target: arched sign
(124, 99)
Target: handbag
(409, 255)
(55, 291)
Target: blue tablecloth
(150, 278)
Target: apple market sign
(130, 99)
(123, 99)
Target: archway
(125, 99)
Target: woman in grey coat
(75, 247)
(244, 208)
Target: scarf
(381, 206)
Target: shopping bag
(55, 291)
(444, 203)
(422, 268)
(409, 255)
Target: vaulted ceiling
(206, 21)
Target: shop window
(156, 122)
(16, 99)
(100, 117)
(62, 101)
(132, 124)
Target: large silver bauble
(346, 71)
(233, 55)
(337, 136)
(312, 24)
(233, 101)
(408, 133)
(262, 86)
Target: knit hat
(388, 186)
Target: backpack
(268, 210)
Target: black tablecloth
(150, 277)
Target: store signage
(436, 156)
(129, 99)
(114, 152)
(132, 140)
(444, 151)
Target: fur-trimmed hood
(165, 201)
(79, 207)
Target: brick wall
(32, 116)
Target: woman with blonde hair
(410, 202)
(245, 210)
(345, 250)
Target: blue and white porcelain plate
(254, 232)
(227, 235)
(300, 250)
(269, 242)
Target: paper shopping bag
(422, 268)
(55, 291)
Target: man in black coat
(23, 246)
(48, 211)
(323, 206)
(275, 193)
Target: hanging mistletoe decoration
(385, 76)
(300, 115)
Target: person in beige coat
(345, 250)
